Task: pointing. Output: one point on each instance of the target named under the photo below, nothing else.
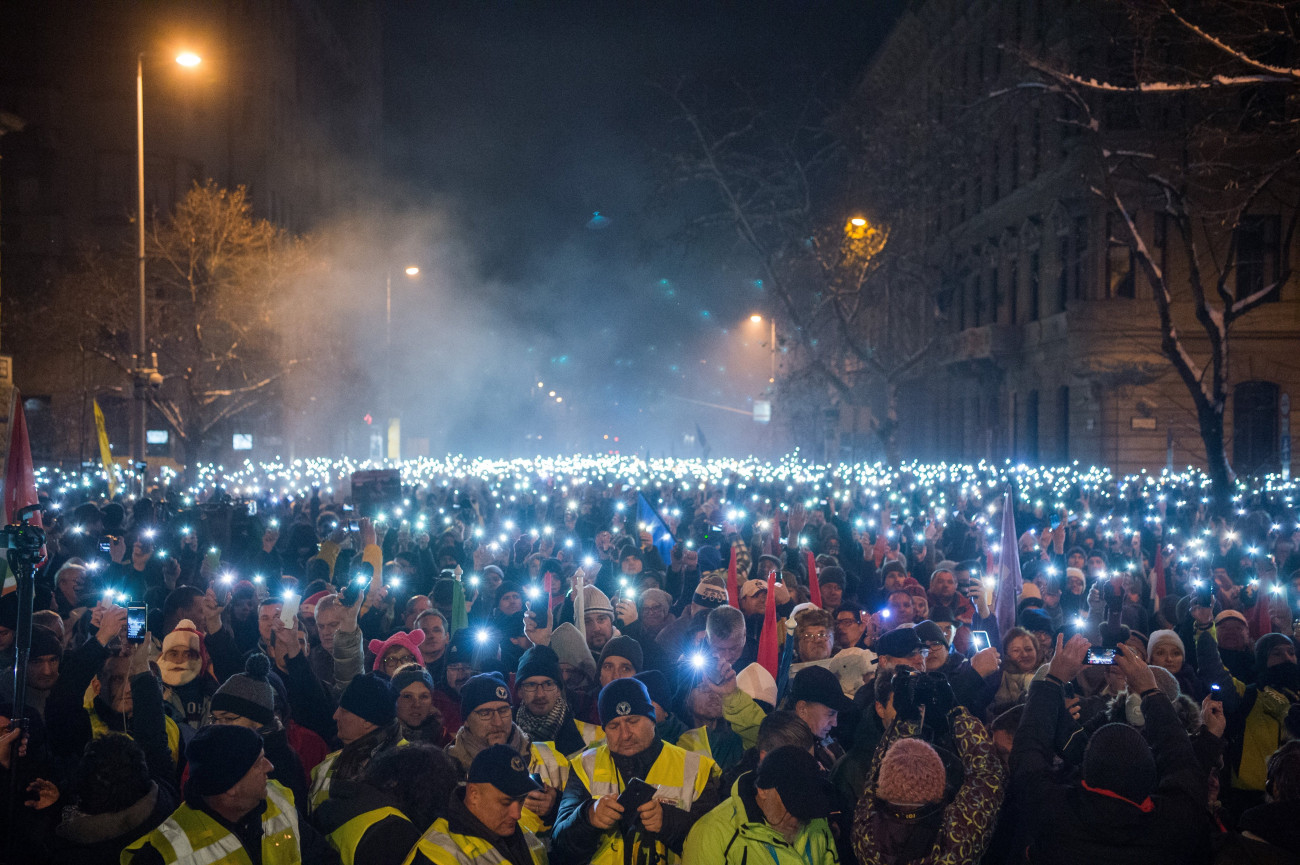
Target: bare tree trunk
(887, 430)
(1210, 418)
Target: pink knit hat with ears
(912, 773)
(410, 641)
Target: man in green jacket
(777, 813)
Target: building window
(1121, 276)
(1255, 427)
(1062, 272)
(1258, 258)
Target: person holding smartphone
(597, 823)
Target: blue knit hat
(623, 697)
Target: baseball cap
(819, 685)
(503, 768)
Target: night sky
(518, 122)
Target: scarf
(542, 728)
(467, 746)
(1013, 687)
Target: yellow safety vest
(320, 781)
(592, 734)
(443, 847)
(99, 728)
(680, 777)
(191, 837)
(697, 740)
(553, 768)
(347, 838)
(319, 790)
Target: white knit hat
(184, 635)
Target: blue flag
(660, 536)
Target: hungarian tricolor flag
(768, 656)
(814, 588)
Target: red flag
(767, 652)
(20, 476)
(814, 589)
(733, 590)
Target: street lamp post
(393, 422)
(771, 342)
(142, 371)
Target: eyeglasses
(923, 652)
(816, 635)
(398, 660)
(178, 655)
(488, 714)
(547, 687)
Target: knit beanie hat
(480, 689)
(248, 694)
(1263, 646)
(368, 698)
(1118, 763)
(1158, 637)
(656, 685)
(1166, 682)
(506, 587)
(912, 773)
(409, 676)
(596, 601)
(45, 642)
(571, 648)
(1035, 620)
(623, 646)
(709, 558)
(220, 755)
(710, 592)
(623, 697)
(539, 661)
(409, 641)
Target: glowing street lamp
(142, 373)
(757, 318)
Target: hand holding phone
(289, 612)
(634, 795)
(136, 618)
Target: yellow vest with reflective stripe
(697, 740)
(553, 768)
(320, 781)
(191, 837)
(98, 728)
(680, 777)
(592, 734)
(321, 776)
(443, 847)
(347, 838)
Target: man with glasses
(850, 627)
(544, 712)
(899, 646)
(966, 677)
(814, 634)
(485, 708)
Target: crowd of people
(730, 671)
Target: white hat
(758, 683)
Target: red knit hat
(911, 774)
